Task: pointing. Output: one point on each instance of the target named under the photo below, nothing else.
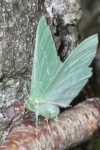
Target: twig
(75, 126)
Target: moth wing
(73, 74)
(45, 61)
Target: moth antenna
(26, 91)
(15, 120)
(28, 95)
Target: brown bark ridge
(74, 126)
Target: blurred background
(89, 25)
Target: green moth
(55, 84)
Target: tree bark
(74, 126)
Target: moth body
(46, 110)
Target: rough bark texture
(18, 26)
(18, 23)
(66, 15)
(75, 126)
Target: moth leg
(37, 123)
(57, 119)
(37, 120)
(38, 143)
(48, 125)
